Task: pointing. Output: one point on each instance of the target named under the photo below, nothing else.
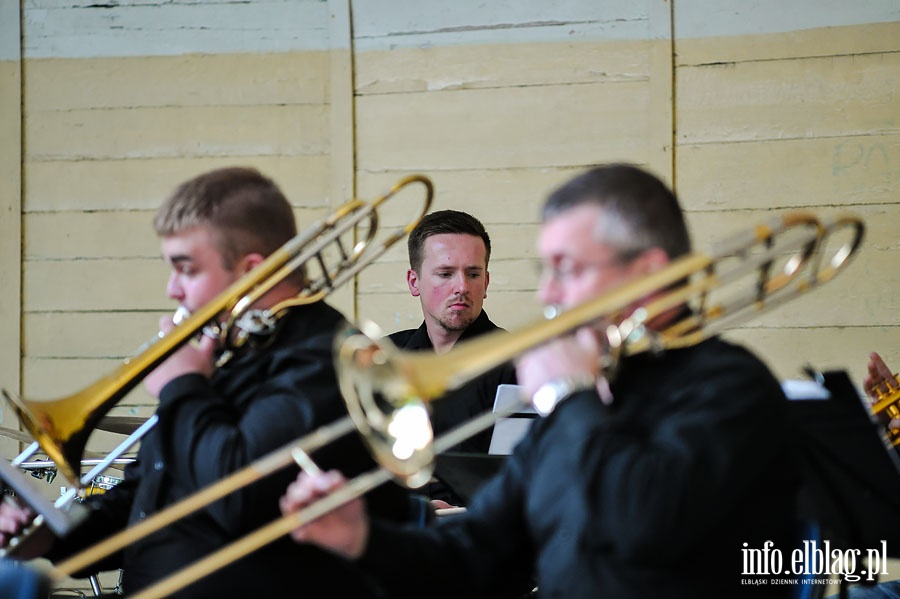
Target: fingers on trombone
(879, 368)
(306, 490)
(14, 517)
(894, 425)
(14, 511)
(879, 376)
(310, 487)
(207, 345)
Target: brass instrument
(62, 426)
(887, 406)
(380, 383)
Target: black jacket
(257, 402)
(653, 496)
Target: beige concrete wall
(10, 214)
(801, 119)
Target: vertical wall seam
(353, 143)
(672, 96)
(342, 107)
(21, 202)
(661, 134)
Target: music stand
(850, 477)
(509, 431)
(463, 472)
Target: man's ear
(650, 261)
(487, 281)
(248, 263)
(412, 281)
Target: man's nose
(173, 288)
(461, 284)
(548, 291)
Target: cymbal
(15, 434)
(124, 425)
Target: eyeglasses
(568, 270)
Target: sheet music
(799, 389)
(508, 431)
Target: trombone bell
(62, 426)
(391, 417)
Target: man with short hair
(218, 415)
(449, 253)
(646, 481)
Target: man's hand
(14, 519)
(575, 356)
(344, 530)
(878, 376)
(192, 357)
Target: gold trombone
(381, 384)
(62, 426)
